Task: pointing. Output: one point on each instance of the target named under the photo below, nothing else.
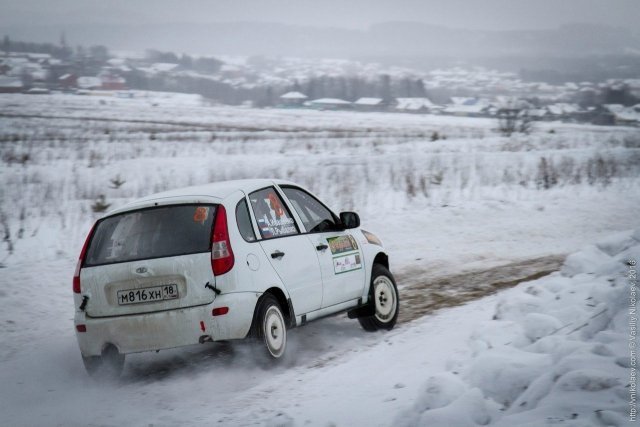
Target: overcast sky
(473, 14)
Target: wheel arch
(374, 255)
(285, 304)
(381, 258)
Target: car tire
(269, 328)
(107, 365)
(383, 294)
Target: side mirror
(349, 220)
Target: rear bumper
(167, 329)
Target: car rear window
(152, 233)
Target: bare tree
(513, 119)
(117, 182)
(525, 122)
(7, 232)
(507, 121)
(100, 204)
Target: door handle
(322, 247)
(277, 254)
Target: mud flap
(366, 310)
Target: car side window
(314, 215)
(244, 221)
(272, 215)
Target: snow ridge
(555, 352)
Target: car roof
(215, 190)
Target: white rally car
(224, 261)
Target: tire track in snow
(422, 293)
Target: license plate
(153, 294)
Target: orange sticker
(276, 205)
(201, 214)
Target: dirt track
(421, 293)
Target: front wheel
(383, 294)
(269, 327)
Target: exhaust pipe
(205, 338)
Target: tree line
(347, 88)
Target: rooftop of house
(293, 95)
(465, 109)
(413, 103)
(369, 101)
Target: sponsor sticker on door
(346, 263)
(346, 256)
(342, 244)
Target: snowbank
(555, 352)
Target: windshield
(152, 233)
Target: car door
(290, 253)
(340, 257)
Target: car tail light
(81, 328)
(219, 311)
(221, 253)
(76, 276)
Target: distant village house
(293, 99)
(330, 104)
(370, 104)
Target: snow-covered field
(466, 203)
(60, 152)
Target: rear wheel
(269, 328)
(109, 364)
(383, 294)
